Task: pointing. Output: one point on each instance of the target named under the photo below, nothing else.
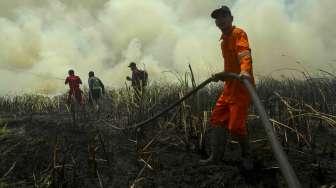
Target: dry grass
(297, 109)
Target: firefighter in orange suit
(231, 110)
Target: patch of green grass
(3, 131)
(4, 184)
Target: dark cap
(223, 11)
(132, 64)
(91, 73)
(71, 72)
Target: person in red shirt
(74, 85)
(231, 110)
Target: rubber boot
(246, 153)
(245, 147)
(218, 141)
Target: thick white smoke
(41, 40)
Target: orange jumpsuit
(231, 108)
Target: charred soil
(49, 151)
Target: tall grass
(295, 107)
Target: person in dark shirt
(96, 88)
(139, 82)
(139, 77)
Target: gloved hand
(218, 76)
(244, 74)
(128, 78)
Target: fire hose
(285, 167)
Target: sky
(42, 39)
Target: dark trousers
(95, 95)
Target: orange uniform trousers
(231, 115)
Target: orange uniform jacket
(237, 57)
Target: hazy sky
(41, 39)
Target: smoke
(41, 40)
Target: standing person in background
(139, 83)
(231, 110)
(139, 79)
(96, 89)
(74, 85)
